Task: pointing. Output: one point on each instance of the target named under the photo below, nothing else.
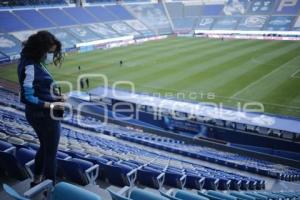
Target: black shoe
(32, 184)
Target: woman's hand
(57, 106)
(62, 98)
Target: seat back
(4, 145)
(174, 179)
(24, 155)
(116, 196)
(12, 193)
(12, 167)
(139, 194)
(74, 170)
(222, 195)
(184, 195)
(148, 176)
(66, 191)
(242, 196)
(117, 173)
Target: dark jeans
(48, 132)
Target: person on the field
(79, 68)
(121, 63)
(36, 84)
(87, 82)
(81, 83)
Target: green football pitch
(207, 70)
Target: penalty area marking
(296, 74)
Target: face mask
(49, 58)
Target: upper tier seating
(81, 15)
(26, 3)
(153, 15)
(34, 19)
(58, 17)
(176, 10)
(120, 11)
(102, 14)
(239, 15)
(10, 22)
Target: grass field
(234, 71)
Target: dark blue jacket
(35, 83)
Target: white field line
(294, 74)
(262, 78)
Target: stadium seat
(5, 146)
(175, 194)
(118, 174)
(3, 136)
(242, 196)
(149, 177)
(174, 178)
(18, 165)
(209, 196)
(79, 171)
(193, 180)
(135, 194)
(257, 196)
(61, 191)
(221, 195)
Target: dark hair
(38, 44)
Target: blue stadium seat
(182, 195)
(242, 196)
(117, 173)
(149, 176)
(4, 146)
(257, 196)
(174, 178)
(221, 195)
(79, 171)
(193, 180)
(209, 196)
(18, 163)
(136, 194)
(62, 191)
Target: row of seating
(121, 159)
(92, 157)
(25, 3)
(224, 158)
(68, 191)
(72, 25)
(204, 153)
(233, 15)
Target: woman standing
(38, 93)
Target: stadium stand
(209, 154)
(23, 3)
(103, 30)
(9, 45)
(58, 17)
(176, 9)
(11, 23)
(120, 11)
(78, 144)
(102, 14)
(68, 40)
(137, 164)
(81, 15)
(34, 19)
(152, 15)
